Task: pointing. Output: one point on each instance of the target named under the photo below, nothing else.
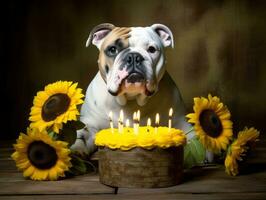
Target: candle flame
(134, 116)
(138, 115)
(171, 112)
(149, 122)
(157, 119)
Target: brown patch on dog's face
(115, 41)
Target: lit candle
(138, 120)
(170, 119)
(111, 121)
(157, 121)
(138, 114)
(148, 124)
(127, 125)
(135, 121)
(120, 121)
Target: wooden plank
(8, 165)
(200, 181)
(11, 176)
(143, 196)
(6, 152)
(7, 143)
(17, 176)
(86, 184)
(213, 181)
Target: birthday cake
(146, 137)
(142, 156)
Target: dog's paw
(209, 157)
(91, 147)
(79, 147)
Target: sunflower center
(54, 106)
(42, 155)
(211, 123)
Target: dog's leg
(84, 143)
(90, 141)
(80, 143)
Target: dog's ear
(165, 34)
(98, 33)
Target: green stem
(192, 129)
(92, 165)
(85, 161)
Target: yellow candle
(111, 121)
(148, 124)
(135, 123)
(157, 122)
(138, 120)
(170, 119)
(138, 114)
(127, 125)
(120, 122)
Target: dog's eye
(151, 49)
(112, 50)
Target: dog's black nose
(133, 59)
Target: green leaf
(78, 166)
(73, 171)
(77, 124)
(81, 168)
(69, 131)
(68, 134)
(194, 153)
(53, 135)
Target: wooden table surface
(199, 183)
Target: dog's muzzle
(134, 65)
(131, 76)
(135, 77)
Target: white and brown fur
(99, 101)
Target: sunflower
(238, 148)
(55, 105)
(212, 123)
(40, 157)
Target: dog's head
(131, 58)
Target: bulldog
(132, 76)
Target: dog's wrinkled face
(131, 59)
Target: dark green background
(219, 48)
